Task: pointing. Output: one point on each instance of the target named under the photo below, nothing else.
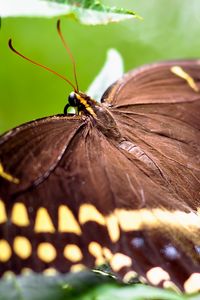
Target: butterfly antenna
(69, 52)
(39, 65)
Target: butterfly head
(73, 100)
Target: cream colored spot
(22, 247)
(192, 285)
(88, 212)
(77, 268)
(152, 218)
(7, 176)
(119, 261)
(46, 252)
(142, 279)
(113, 228)
(67, 221)
(73, 253)
(3, 216)
(19, 215)
(26, 271)
(50, 272)
(96, 250)
(168, 284)
(107, 254)
(5, 251)
(129, 219)
(43, 222)
(156, 275)
(9, 275)
(182, 74)
(129, 275)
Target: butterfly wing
(162, 118)
(158, 114)
(28, 156)
(55, 220)
(30, 152)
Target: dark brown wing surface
(30, 152)
(87, 195)
(158, 114)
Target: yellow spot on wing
(5, 251)
(182, 74)
(9, 275)
(26, 271)
(168, 284)
(102, 255)
(3, 216)
(19, 215)
(107, 254)
(67, 221)
(96, 250)
(119, 261)
(113, 228)
(22, 247)
(7, 176)
(192, 285)
(129, 275)
(43, 221)
(73, 253)
(46, 252)
(157, 275)
(142, 279)
(88, 212)
(50, 272)
(152, 218)
(77, 268)
(129, 219)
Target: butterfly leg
(66, 108)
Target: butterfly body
(118, 182)
(82, 102)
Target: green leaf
(112, 70)
(88, 12)
(85, 285)
(135, 292)
(40, 287)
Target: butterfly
(116, 182)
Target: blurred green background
(170, 29)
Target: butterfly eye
(73, 101)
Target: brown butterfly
(117, 182)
